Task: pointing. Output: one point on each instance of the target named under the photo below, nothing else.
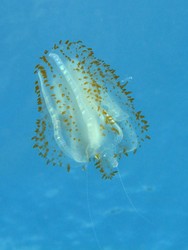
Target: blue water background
(46, 208)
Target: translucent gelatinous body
(86, 113)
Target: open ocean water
(46, 208)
